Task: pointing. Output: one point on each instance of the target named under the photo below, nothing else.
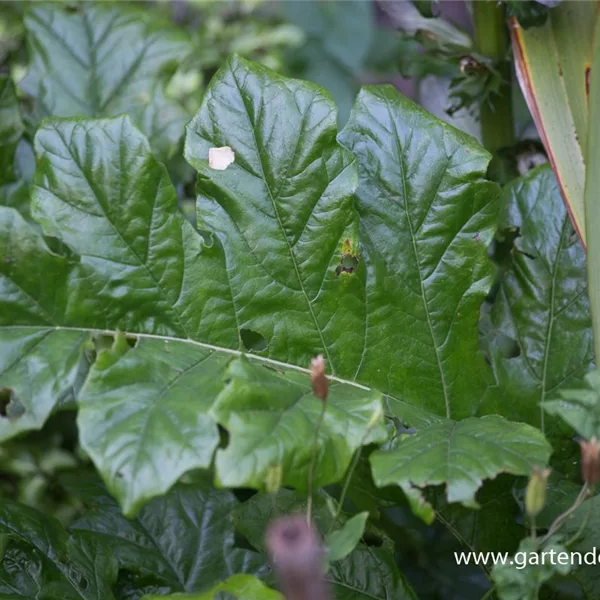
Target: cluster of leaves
(183, 350)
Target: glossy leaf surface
(141, 268)
(184, 541)
(542, 304)
(386, 285)
(42, 560)
(287, 220)
(426, 216)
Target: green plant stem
(533, 529)
(491, 40)
(489, 593)
(338, 512)
(313, 460)
(591, 198)
(583, 525)
(564, 516)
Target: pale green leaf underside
(244, 587)
(579, 407)
(104, 60)
(342, 541)
(282, 219)
(461, 455)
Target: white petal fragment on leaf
(220, 158)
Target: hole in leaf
(10, 407)
(252, 340)
(348, 264)
(240, 541)
(509, 347)
(372, 539)
(5, 397)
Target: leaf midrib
(280, 224)
(205, 345)
(413, 238)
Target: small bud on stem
(319, 382)
(535, 494)
(590, 461)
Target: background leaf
(183, 541)
(542, 303)
(40, 559)
(516, 582)
(103, 60)
(339, 38)
(585, 541)
(552, 66)
(11, 128)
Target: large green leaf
(542, 303)
(286, 219)
(272, 419)
(104, 60)
(183, 542)
(494, 527)
(143, 268)
(426, 216)
(41, 560)
(460, 455)
(386, 285)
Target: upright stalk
(591, 197)
(491, 41)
